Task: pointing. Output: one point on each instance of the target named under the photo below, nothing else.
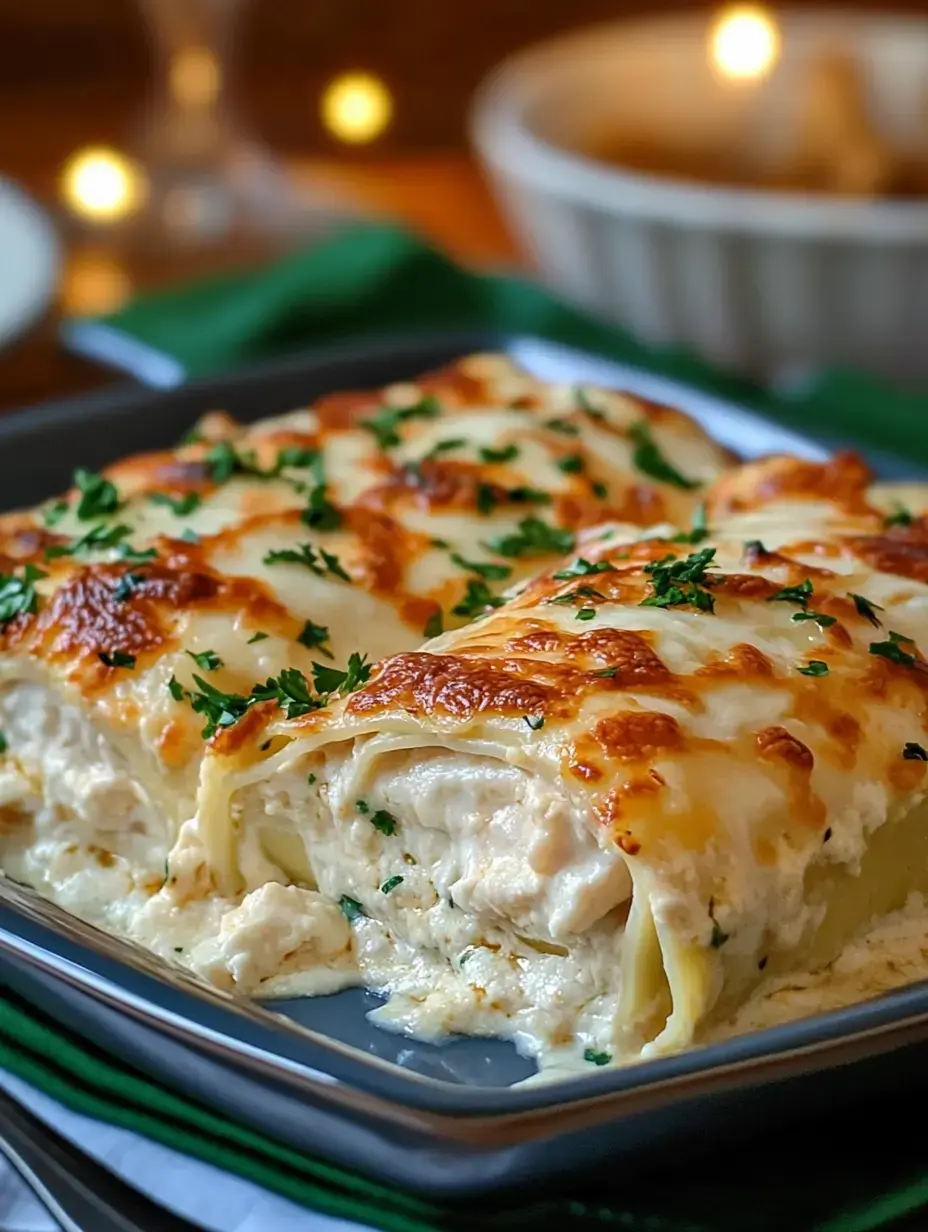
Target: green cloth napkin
(854, 1177)
(376, 279)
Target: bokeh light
(101, 184)
(194, 77)
(356, 107)
(744, 42)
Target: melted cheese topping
(683, 792)
(351, 527)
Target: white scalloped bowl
(761, 281)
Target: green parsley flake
(485, 498)
(679, 582)
(320, 513)
(384, 822)
(586, 613)
(99, 496)
(362, 806)
(485, 569)
(823, 622)
(256, 637)
(179, 505)
(563, 426)
(535, 721)
(305, 554)
(581, 568)
(583, 401)
(98, 539)
(18, 596)
(315, 637)
(699, 530)
(290, 690)
(310, 779)
(533, 537)
(434, 625)
(4, 745)
(117, 659)
(207, 660)
(476, 600)
(390, 884)
(914, 752)
(53, 514)
(385, 422)
(596, 1058)
(445, 446)
(507, 454)
(893, 650)
(127, 585)
(866, 609)
(815, 667)
(219, 709)
(606, 673)
(351, 908)
(900, 516)
(571, 463)
(600, 491)
(648, 459)
(581, 592)
(800, 594)
(187, 535)
(331, 680)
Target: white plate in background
(29, 262)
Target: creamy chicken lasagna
(520, 704)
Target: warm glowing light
(356, 107)
(102, 184)
(745, 42)
(194, 77)
(94, 282)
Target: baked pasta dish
(523, 705)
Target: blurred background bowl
(762, 280)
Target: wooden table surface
(442, 196)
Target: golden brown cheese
(148, 602)
(734, 718)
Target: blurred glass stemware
(206, 181)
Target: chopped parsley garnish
(648, 459)
(698, 529)
(507, 454)
(564, 426)
(678, 582)
(439, 543)
(351, 908)
(290, 690)
(305, 554)
(223, 462)
(815, 667)
(98, 539)
(320, 513)
(485, 569)
(434, 625)
(383, 821)
(585, 404)
(3, 744)
(310, 779)
(136, 556)
(256, 637)
(893, 650)
(533, 538)
(914, 752)
(581, 568)
(823, 621)
(900, 516)
(126, 586)
(206, 660)
(600, 490)
(116, 659)
(581, 592)
(477, 599)
(719, 936)
(390, 884)
(54, 513)
(180, 505)
(606, 673)
(331, 680)
(525, 495)
(18, 595)
(485, 498)
(315, 637)
(445, 446)
(800, 594)
(596, 1058)
(866, 609)
(298, 457)
(219, 709)
(571, 463)
(586, 613)
(384, 422)
(754, 547)
(535, 721)
(99, 496)
(363, 807)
